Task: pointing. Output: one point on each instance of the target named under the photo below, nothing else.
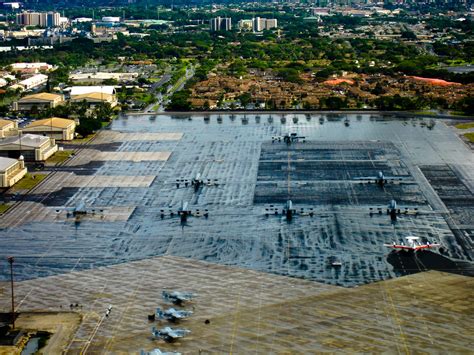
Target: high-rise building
(271, 23)
(260, 24)
(221, 24)
(40, 19)
(53, 19)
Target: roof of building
(435, 82)
(56, 122)
(44, 96)
(103, 76)
(34, 79)
(5, 163)
(81, 90)
(4, 123)
(98, 96)
(27, 140)
(339, 81)
(30, 65)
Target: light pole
(10, 261)
(19, 139)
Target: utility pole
(10, 261)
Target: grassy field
(424, 113)
(59, 156)
(466, 125)
(4, 207)
(81, 140)
(470, 137)
(28, 182)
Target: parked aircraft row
(167, 333)
(289, 211)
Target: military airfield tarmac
(265, 285)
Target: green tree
(245, 99)
(180, 101)
(335, 103)
(87, 126)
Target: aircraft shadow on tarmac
(406, 263)
(56, 198)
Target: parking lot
(252, 262)
(133, 167)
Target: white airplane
(380, 179)
(172, 314)
(169, 334)
(412, 244)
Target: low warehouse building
(40, 101)
(94, 95)
(8, 128)
(95, 98)
(11, 171)
(32, 82)
(57, 128)
(32, 146)
(98, 78)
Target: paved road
(163, 100)
(154, 89)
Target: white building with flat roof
(82, 19)
(110, 19)
(21, 67)
(32, 82)
(97, 78)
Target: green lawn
(421, 112)
(4, 207)
(28, 182)
(60, 156)
(458, 113)
(466, 125)
(470, 137)
(82, 140)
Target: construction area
(104, 229)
